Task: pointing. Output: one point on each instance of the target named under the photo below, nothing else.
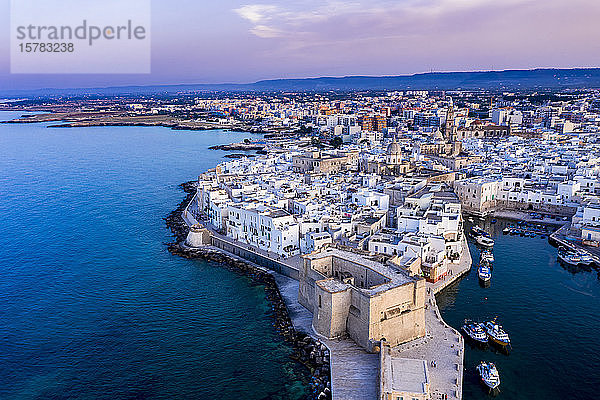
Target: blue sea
(92, 306)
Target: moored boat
(484, 241)
(489, 374)
(487, 256)
(585, 259)
(474, 331)
(484, 273)
(496, 333)
(569, 257)
(478, 231)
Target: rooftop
(394, 277)
(405, 375)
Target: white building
(270, 229)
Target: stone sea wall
(308, 351)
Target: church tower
(449, 132)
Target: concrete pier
(455, 270)
(354, 372)
(443, 346)
(563, 238)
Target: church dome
(394, 148)
(394, 153)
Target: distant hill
(509, 79)
(492, 80)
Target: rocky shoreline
(238, 146)
(307, 351)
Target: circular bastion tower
(198, 236)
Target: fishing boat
(478, 231)
(484, 273)
(569, 257)
(585, 259)
(487, 256)
(506, 230)
(489, 374)
(484, 241)
(496, 333)
(474, 331)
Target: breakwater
(308, 351)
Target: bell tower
(449, 128)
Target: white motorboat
(496, 333)
(484, 241)
(569, 257)
(474, 331)
(585, 259)
(489, 374)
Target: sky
(241, 41)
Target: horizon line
(431, 72)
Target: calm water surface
(551, 314)
(91, 303)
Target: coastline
(444, 344)
(308, 351)
(71, 119)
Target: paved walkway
(455, 271)
(354, 372)
(442, 345)
(524, 216)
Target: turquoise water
(551, 314)
(92, 304)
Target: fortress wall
(329, 319)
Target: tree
(336, 142)
(315, 141)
